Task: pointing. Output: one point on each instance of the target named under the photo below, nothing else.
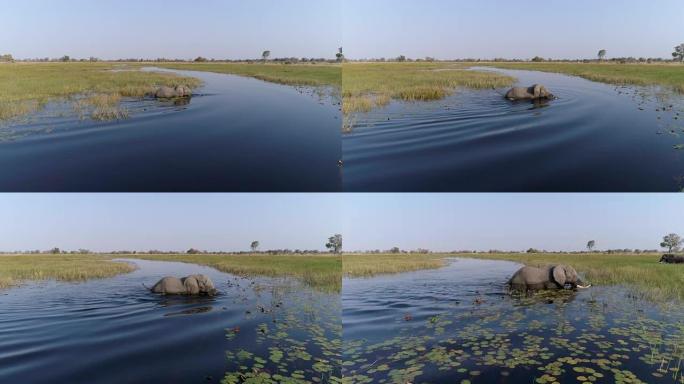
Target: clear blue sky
(170, 28)
(449, 222)
(105, 222)
(513, 29)
(441, 222)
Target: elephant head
(535, 92)
(540, 92)
(199, 284)
(564, 275)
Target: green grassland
(668, 75)
(366, 86)
(642, 271)
(26, 87)
(320, 74)
(15, 269)
(319, 271)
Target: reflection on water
(115, 331)
(594, 137)
(236, 134)
(457, 325)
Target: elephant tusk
(584, 286)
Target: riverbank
(319, 271)
(366, 86)
(667, 75)
(15, 269)
(288, 74)
(27, 87)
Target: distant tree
(537, 59)
(193, 251)
(672, 242)
(602, 54)
(334, 243)
(395, 250)
(339, 55)
(84, 251)
(93, 59)
(6, 58)
(254, 246)
(265, 55)
(55, 251)
(532, 250)
(65, 58)
(590, 245)
(201, 59)
(401, 58)
(678, 53)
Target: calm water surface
(115, 331)
(239, 134)
(595, 137)
(456, 325)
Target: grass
(366, 86)
(15, 269)
(319, 271)
(642, 271)
(26, 87)
(668, 75)
(288, 74)
(369, 265)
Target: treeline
(191, 251)
(63, 59)
(537, 59)
(396, 250)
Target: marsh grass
(668, 75)
(323, 272)
(289, 74)
(366, 86)
(369, 265)
(15, 269)
(26, 87)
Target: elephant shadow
(187, 305)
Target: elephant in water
(171, 93)
(535, 92)
(552, 277)
(190, 285)
(672, 259)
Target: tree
(602, 54)
(254, 246)
(678, 53)
(55, 251)
(7, 58)
(672, 242)
(395, 250)
(340, 55)
(334, 243)
(65, 58)
(401, 58)
(265, 55)
(537, 59)
(590, 245)
(201, 59)
(193, 251)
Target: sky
(111, 29)
(451, 29)
(213, 222)
(439, 222)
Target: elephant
(535, 92)
(165, 92)
(551, 277)
(190, 285)
(672, 259)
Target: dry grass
(369, 265)
(366, 86)
(15, 269)
(323, 272)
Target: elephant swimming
(190, 285)
(672, 259)
(552, 277)
(535, 92)
(171, 93)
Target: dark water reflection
(456, 323)
(114, 331)
(239, 134)
(595, 137)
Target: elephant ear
(537, 90)
(191, 285)
(559, 274)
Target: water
(240, 134)
(115, 331)
(594, 138)
(456, 323)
